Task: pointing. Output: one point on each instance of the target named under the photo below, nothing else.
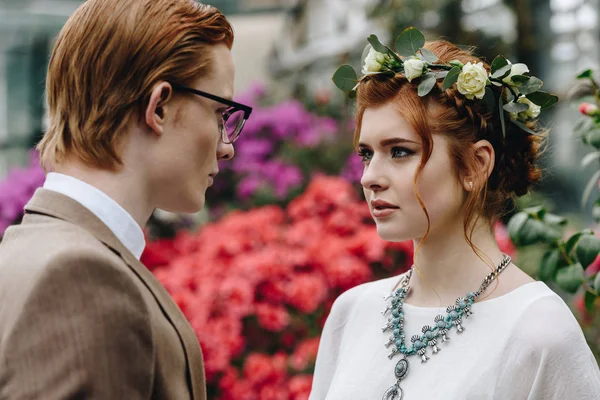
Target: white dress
(523, 345)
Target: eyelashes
(395, 152)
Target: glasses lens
(234, 125)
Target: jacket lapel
(63, 207)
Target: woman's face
(391, 151)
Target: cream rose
(532, 113)
(413, 68)
(472, 81)
(373, 61)
(515, 69)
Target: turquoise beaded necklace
(430, 335)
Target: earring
(471, 185)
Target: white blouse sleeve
(551, 359)
(331, 342)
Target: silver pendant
(393, 393)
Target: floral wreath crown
(517, 94)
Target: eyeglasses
(233, 118)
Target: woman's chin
(394, 234)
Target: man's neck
(124, 188)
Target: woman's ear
(157, 108)
(483, 157)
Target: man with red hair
(140, 112)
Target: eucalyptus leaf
(589, 158)
(592, 183)
(427, 83)
(345, 78)
(451, 78)
(588, 248)
(441, 74)
(499, 62)
(409, 42)
(549, 265)
(588, 73)
(429, 56)
(377, 45)
(543, 99)
(532, 85)
(515, 107)
(589, 299)
(502, 72)
(523, 127)
(570, 278)
(489, 98)
(519, 79)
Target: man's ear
(484, 158)
(157, 108)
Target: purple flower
(353, 169)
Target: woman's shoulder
(543, 320)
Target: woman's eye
(400, 152)
(365, 154)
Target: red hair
(108, 58)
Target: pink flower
(305, 354)
(307, 291)
(588, 109)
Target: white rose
(515, 69)
(532, 113)
(472, 80)
(413, 68)
(373, 61)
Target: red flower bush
(257, 286)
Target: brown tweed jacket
(82, 318)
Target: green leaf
(409, 42)
(345, 78)
(519, 79)
(451, 78)
(515, 107)
(589, 188)
(501, 111)
(515, 225)
(523, 126)
(441, 74)
(429, 56)
(502, 72)
(352, 94)
(377, 45)
(490, 98)
(597, 282)
(427, 83)
(570, 278)
(593, 137)
(543, 99)
(538, 212)
(572, 242)
(587, 249)
(588, 73)
(555, 220)
(582, 126)
(532, 85)
(498, 63)
(589, 299)
(549, 265)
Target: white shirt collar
(119, 221)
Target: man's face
(191, 145)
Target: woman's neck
(447, 267)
